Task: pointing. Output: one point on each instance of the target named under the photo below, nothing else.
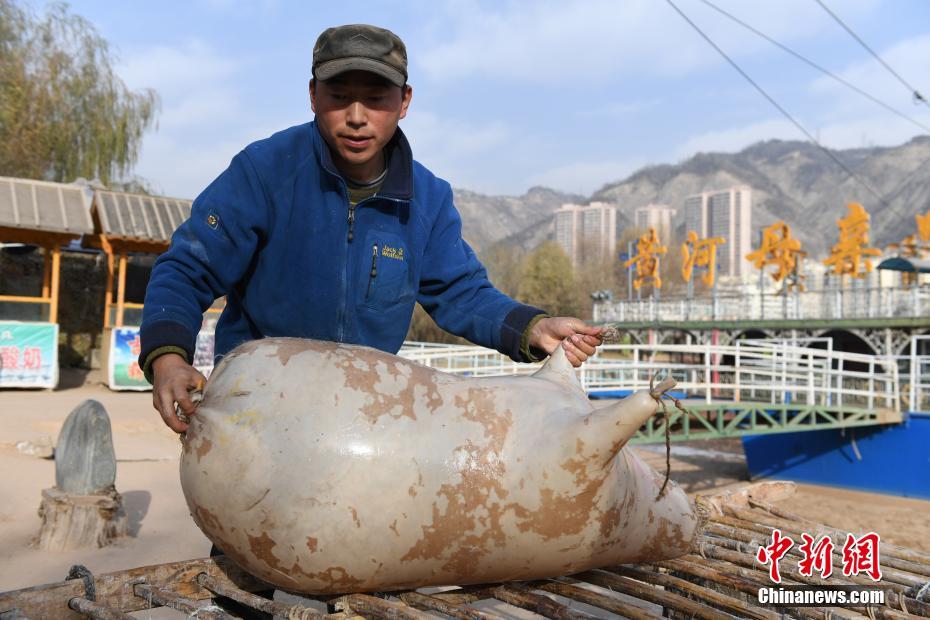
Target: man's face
(357, 113)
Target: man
(330, 230)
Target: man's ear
(312, 94)
(405, 102)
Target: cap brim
(331, 69)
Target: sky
(509, 95)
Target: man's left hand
(579, 339)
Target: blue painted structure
(615, 394)
(895, 459)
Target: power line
(771, 100)
(816, 66)
(916, 93)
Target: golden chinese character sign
(696, 252)
(850, 257)
(778, 248)
(647, 260)
(923, 226)
(912, 245)
(908, 248)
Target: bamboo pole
(612, 604)
(374, 607)
(521, 596)
(728, 603)
(254, 601)
(728, 575)
(645, 592)
(426, 602)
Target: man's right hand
(174, 379)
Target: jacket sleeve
(209, 254)
(456, 292)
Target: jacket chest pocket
(385, 271)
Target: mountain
(791, 181)
(798, 183)
(489, 219)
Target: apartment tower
(658, 217)
(725, 213)
(586, 231)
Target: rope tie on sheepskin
(658, 392)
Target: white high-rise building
(724, 213)
(658, 217)
(586, 231)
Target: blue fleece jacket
(276, 235)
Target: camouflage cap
(360, 47)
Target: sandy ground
(162, 530)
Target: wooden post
(108, 299)
(46, 272)
(56, 266)
(121, 289)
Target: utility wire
(916, 93)
(816, 66)
(784, 112)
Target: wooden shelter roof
(138, 217)
(44, 207)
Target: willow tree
(64, 113)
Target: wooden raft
(719, 579)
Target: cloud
(595, 40)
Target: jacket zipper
(351, 222)
(374, 269)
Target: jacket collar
(398, 184)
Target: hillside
(489, 219)
(791, 180)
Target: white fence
(776, 372)
(855, 302)
(918, 367)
